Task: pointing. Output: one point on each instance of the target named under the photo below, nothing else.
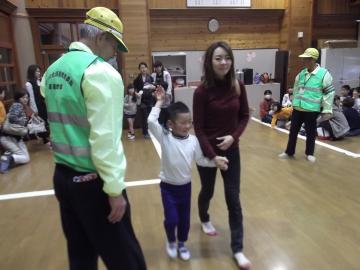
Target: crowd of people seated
(345, 120)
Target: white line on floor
(329, 146)
(51, 191)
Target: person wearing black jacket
(143, 85)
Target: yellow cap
(310, 53)
(106, 20)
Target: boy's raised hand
(160, 93)
(221, 162)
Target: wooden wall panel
(189, 31)
(181, 4)
(135, 17)
(5, 28)
(285, 27)
(335, 20)
(112, 4)
(173, 4)
(334, 27)
(336, 7)
(298, 18)
(268, 4)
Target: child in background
(356, 97)
(179, 149)
(287, 98)
(131, 100)
(265, 105)
(280, 113)
(352, 116)
(345, 92)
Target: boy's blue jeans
(176, 202)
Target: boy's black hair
(348, 102)
(346, 86)
(267, 92)
(336, 97)
(174, 109)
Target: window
(7, 71)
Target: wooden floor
(297, 215)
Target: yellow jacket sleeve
(104, 97)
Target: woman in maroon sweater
(221, 113)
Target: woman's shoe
(242, 261)
(208, 228)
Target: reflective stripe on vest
(318, 101)
(70, 119)
(71, 150)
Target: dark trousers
(84, 208)
(176, 202)
(231, 179)
(297, 119)
(145, 111)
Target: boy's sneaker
(311, 158)
(171, 250)
(284, 156)
(208, 228)
(242, 261)
(5, 163)
(184, 253)
(146, 136)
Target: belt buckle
(85, 178)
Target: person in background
(144, 86)
(221, 114)
(287, 98)
(345, 92)
(2, 107)
(162, 77)
(131, 100)
(37, 101)
(313, 94)
(337, 126)
(84, 97)
(352, 116)
(179, 149)
(33, 84)
(265, 107)
(356, 97)
(280, 114)
(15, 149)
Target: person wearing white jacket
(162, 77)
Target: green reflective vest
(310, 92)
(66, 108)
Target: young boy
(179, 149)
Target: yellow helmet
(106, 20)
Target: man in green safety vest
(313, 94)
(84, 98)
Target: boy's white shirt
(177, 154)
